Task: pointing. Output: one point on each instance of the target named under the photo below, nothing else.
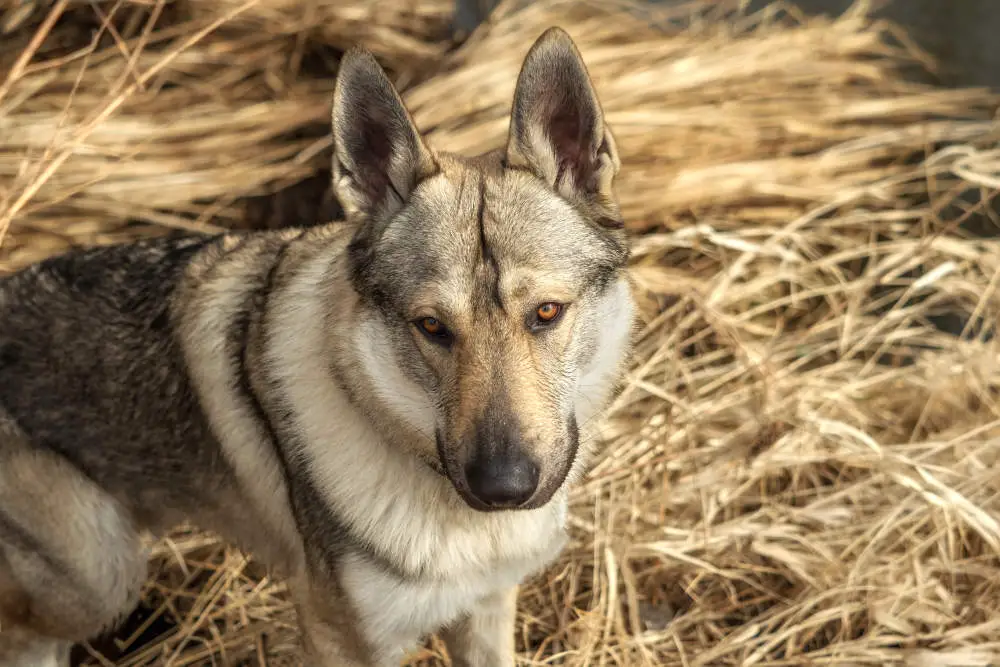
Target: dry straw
(406, 33)
(800, 470)
(173, 110)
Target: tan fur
(486, 635)
(88, 565)
(23, 648)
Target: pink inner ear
(571, 132)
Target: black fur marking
(611, 223)
(507, 166)
(484, 249)
(486, 253)
(258, 302)
(362, 264)
(161, 322)
(327, 536)
(324, 535)
(10, 354)
(601, 277)
(364, 269)
(443, 452)
(84, 284)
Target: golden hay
(726, 117)
(406, 33)
(169, 121)
(800, 470)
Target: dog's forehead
(463, 212)
(477, 232)
(533, 228)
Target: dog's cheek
(423, 367)
(565, 354)
(583, 346)
(409, 357)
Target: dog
(387, 411)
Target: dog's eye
(434, 329)
(546, 314)
(432, 325)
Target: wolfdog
(387, 411)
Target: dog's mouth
(475, 503)
(435, 464)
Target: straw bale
(174, 156)
(406, 33)
(800, 470)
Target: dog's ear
(378, 155)
(557, 128)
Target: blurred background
(959, 35)
(801, 468)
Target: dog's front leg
(329, 638)
(485, 637)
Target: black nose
(502, 483)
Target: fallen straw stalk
(800, 470)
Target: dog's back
(85, 339)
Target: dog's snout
(501, 482)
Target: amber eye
(546, 315)
(548, 312)
(434, 329)
(431, 325)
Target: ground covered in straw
(802, 468)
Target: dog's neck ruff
(389, 498)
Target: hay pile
(801, 470)
(173, 111)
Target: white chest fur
(398, 611)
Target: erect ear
(557, 127)
(378, 156)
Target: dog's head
(497, 314)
